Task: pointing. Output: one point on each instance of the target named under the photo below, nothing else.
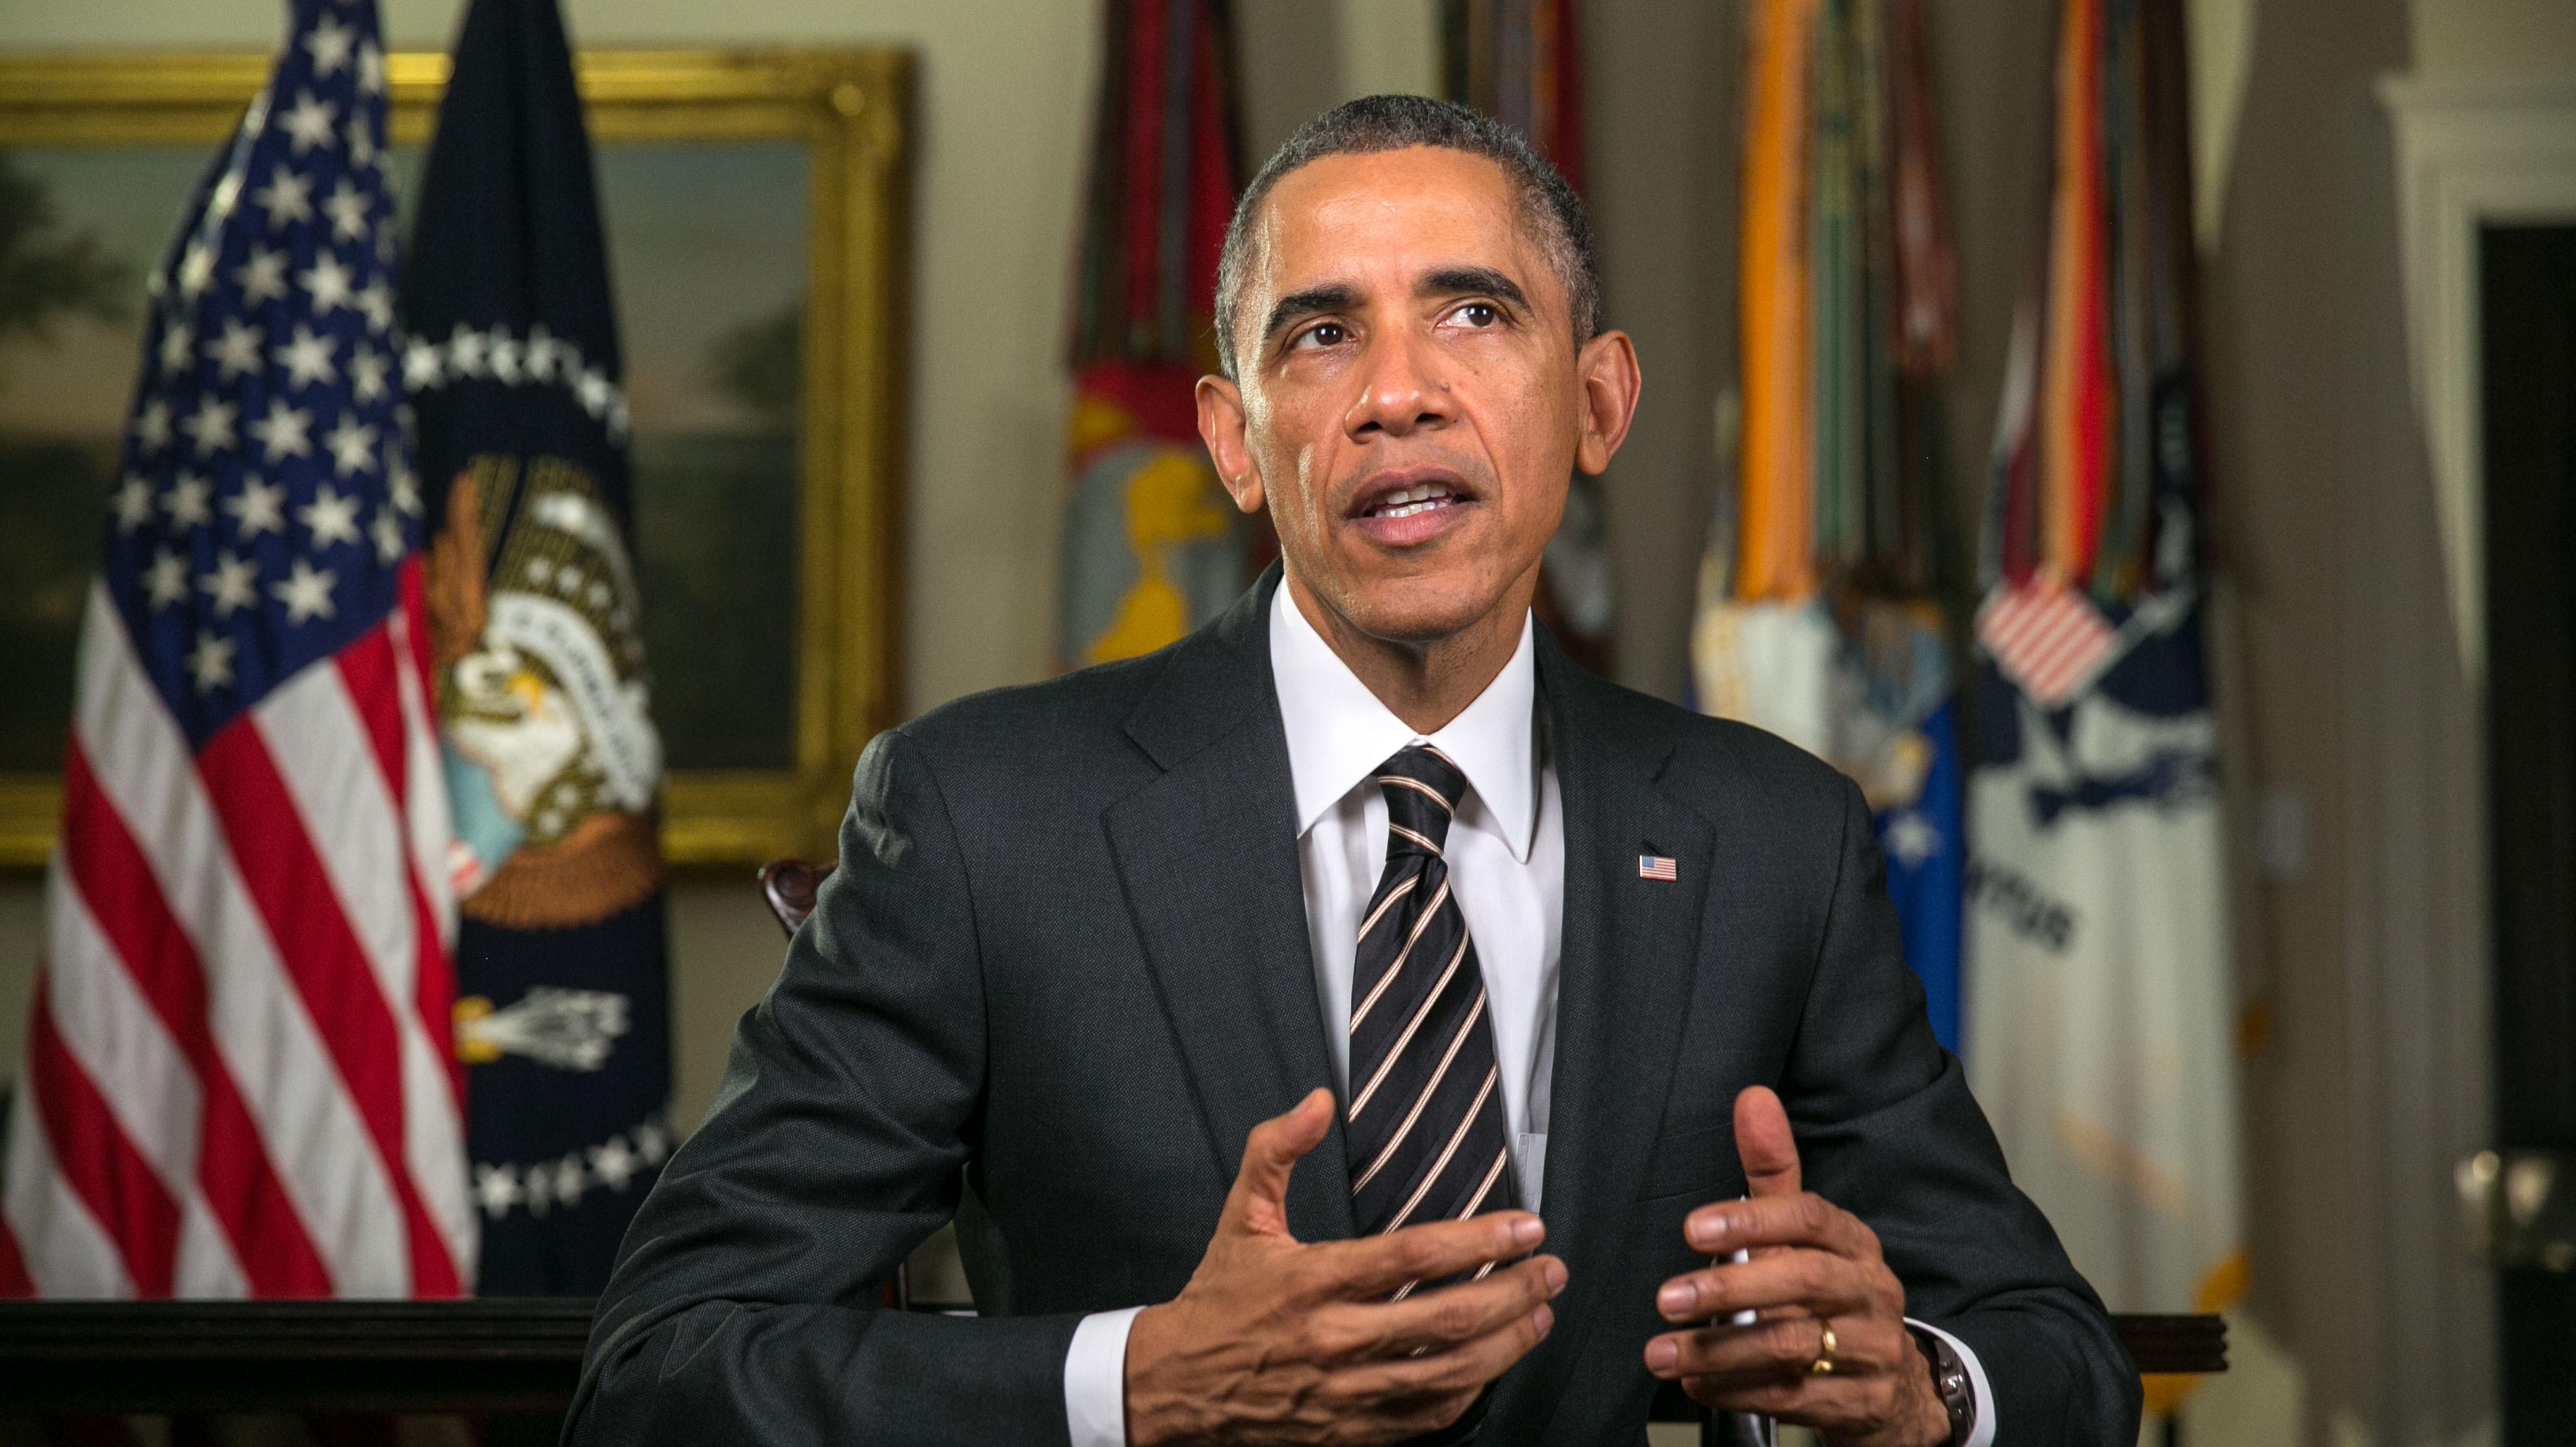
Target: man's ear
(1607, 367)
(1221, 426)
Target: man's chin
(1418, 610)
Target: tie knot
(1423, 790)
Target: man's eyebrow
(1467, 280)
(1297, 305)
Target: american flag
(239, 1081)
(1656, 866)
(2046, 637)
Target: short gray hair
(1549, 207)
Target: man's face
(1412, 402)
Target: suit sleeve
(744, 1304)
(1886, 1129)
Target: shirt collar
(1338, 731)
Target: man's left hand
(1829, 1348)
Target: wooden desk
(416, 1357)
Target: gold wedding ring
(1823, 1365)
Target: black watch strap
(1950, 1380)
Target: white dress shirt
(1506, 855)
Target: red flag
(1152, 544)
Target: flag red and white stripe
(2046, 637)
(239, 1081)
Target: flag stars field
(210, 663)
(132, 502)
(310, 122)
(330, 45)
(231, 585)
(287, 199)
(151, 428)
(259, 507)
(307, 358)
(210, 427)
(326, 285)
(176, 344)
(330, 518)
(367, 373)
(282, 432)
(263, 276)
(353, 446)
(185, 502)
(348, 211)
(236, 352)
(306, 592)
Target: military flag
(2101, 990)
(543, 696)
(1818, 618)
(1153, 547)
(238, 1079)
(1521, 62)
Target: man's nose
(1402, 389)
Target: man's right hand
(1279, 1341)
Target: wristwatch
(1950, 1379)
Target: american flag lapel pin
(1656, 866)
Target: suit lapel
(1627, 959)
(1208, 854)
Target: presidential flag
(238, 1077)
(544, 702)
(2101, 1037)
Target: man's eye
(1478, 314)
(1329, 334)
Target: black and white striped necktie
(1425, 1122)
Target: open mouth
(1413, 499)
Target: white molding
(2470, 151)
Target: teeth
(1421, 497)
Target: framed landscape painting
(754, 204)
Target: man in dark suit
(1250, 1004)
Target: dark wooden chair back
(789, 887)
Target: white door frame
(2470, 152)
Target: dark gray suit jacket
(1064, 964)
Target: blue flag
(1922, 841)
(553, 764)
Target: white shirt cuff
(1980, 1435)
(1095, 1379)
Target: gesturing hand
(1815, 1268)
(1277, 1341)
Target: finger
(1372, 1266)
(1258, 1202)
(1805, 1219)
(1820, 1282)
(1800, 1399)
(1431, 1321)
(1464, 1367)
(1764, 1144)
(1783, 1348)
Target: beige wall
(2494, 37)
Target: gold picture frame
(851, 110)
